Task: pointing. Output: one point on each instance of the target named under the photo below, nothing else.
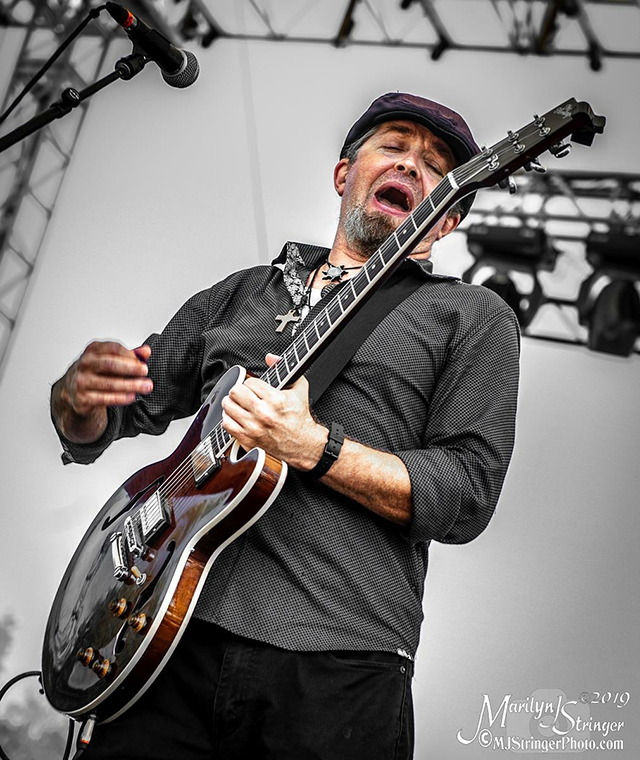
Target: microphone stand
(126, 68)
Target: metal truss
(31, 173)
(570, 207)
(593, 29)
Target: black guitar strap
(334, 357)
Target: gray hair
(351, 154)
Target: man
(303, 640)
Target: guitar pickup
(203, 461)
(152, 516)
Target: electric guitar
(133, 582)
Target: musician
(303, 639)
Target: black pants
(223, 697)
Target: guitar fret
(312, 336)
(347, 296)
(335, 309)
(301, 347)
(322, 322)
(404, 232)
(389, 249)
(360, 281)
(374, 264)
(288, 360)
(424, 210)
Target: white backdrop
(170, 190)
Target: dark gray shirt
(435, 384)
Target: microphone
(179, 67)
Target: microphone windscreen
(187, 74)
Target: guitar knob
(101, 667)
(138, 622)
(86, 656)
(118, 607)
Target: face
(394, 171)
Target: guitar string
(189, 465)
(193, 461)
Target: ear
(340, 175)
(449, 225)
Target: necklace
(335, 272)
(301, 294)
(301, 297)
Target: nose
(407, 165)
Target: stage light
(505, 251)
(608, 303)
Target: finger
(106, 383)
(93, 399)
(108, 347)
(143, 352)
(244, 395)
(232, 427)
(241, 416)
(262, 390)
(113, 364)
(271, 359)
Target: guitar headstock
(521, 148)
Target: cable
(5, 689)
(93, 13)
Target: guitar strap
(330, 363)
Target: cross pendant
(284, 319)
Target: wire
(93, 13)
(5, 689)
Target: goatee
(366, 232)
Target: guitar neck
(318, 332)
(301, 352)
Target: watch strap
(331, 451)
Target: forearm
(75, 427)
(375, 479)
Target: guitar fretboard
(309, 340)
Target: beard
(366, 232)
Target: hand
(278, 421)
(106, 374)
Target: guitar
(133, 582)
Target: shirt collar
(314, 255)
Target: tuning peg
(560, 150)
(510, 184)
(536, 166)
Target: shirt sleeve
(457, 475)
(175, 366)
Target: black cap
(442, 121)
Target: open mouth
(394, 198)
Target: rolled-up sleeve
(457, 474)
